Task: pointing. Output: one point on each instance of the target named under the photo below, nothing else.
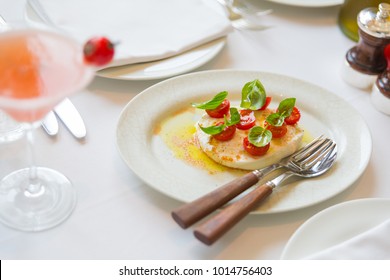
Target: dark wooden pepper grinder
(380, 95)
(365, 61)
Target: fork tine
(323, 153)
(241, 19)
(316, 152)
(330, 157)
(309, 148)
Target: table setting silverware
(243, 17)
(50, 124)
(190, 213)
(312, 160)
(2, 21)
(70, 118)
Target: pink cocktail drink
(37, 70)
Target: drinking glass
(38, 69)
(10, 130)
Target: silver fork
(313, 165)
(240, 17)
(190, 213)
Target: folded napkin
(145, 30)
(373, 244)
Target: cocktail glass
(38, 69)
(10, 130)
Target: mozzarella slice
(232, 154)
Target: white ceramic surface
(335, 225)
(149, 158)
(168, 67)
(309, 3)
(380, 101)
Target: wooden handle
(190, 213)
(216, 226)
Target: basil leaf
(286, 106)
(213, 103)
(235, 117)
(259, 136)
(213, 130)
(275, 119)
(253, 95)
(284, 110)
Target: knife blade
(40, 11)
(50, 124)
(71, 118)
(2, 21)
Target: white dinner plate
(158, 69)
(148, 156)
(168, 67)
(335, 225)
(309, 3)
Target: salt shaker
(380, 95)
(365, 61)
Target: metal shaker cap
(375, 21)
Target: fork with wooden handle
(190, 213)
(311, 166)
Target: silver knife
(2, 21)
(50, 124)
(71, 118)
(40, 11)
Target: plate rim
(330, 211)
(214, 48)
(299, 3)
(206, 73)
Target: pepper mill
(380, 95)
(365, 61)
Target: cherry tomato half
(267, 102)
(247, 120)
(254, 150)
(277, 131)
(294, 117)
(220, 111)
(226, 134)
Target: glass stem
(34, 186)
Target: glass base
(51, 203)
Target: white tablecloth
(119, 217)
